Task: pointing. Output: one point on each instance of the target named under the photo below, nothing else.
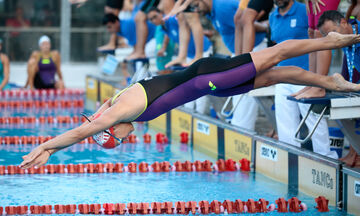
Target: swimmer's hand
(36, 158)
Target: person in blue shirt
(333, 21)
(171, 28)
(125, 28)
(286, 23)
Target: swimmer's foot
(192, 61)
(343, 85)
(106, 47)
(177, 61)
(135, 55)
(343, 40)
(312, 92)
(301, 91)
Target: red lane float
(40, 139)
(245, 165)
(161, 138)
(179, 207)
(165, 166)
(32, 140)
(184, 138)
(322, 204)
(40, 120)
(147, 138)
(48, 94)
(295, 205)
(84, 208)
(282, 205)
(41, 104)
(132, 138)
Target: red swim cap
(104, 139)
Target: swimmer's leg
(270, 57)
(299, 76)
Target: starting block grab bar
(139, 69)
(225, 114)
(319, 106)
(325, 109)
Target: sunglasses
(120, 140)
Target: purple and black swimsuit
(45, 77)
(207, 76)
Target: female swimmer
(150, 98)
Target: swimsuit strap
(119, 93)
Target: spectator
(353, 10)
(319, 62)
(142, 31)
(189, 23)
(127, 29)
(245, 23)
(287, 22)
(15, 37)
(43, 65)
(112, 7)
(171, 28)
(334, 21)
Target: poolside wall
(306, 171)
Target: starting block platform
(342, 107)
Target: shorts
(148, 4)
(314, 19)
(39, 84)
(262, 5)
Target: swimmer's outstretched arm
(103, 107)
(40, 155)
(128, 106)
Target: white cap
(44, 38)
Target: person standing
(287, 22)
(335, 21)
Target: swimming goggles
(120, 140)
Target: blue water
(130, 187)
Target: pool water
(130, 187)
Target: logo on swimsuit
(45, 61)
(212, 86)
